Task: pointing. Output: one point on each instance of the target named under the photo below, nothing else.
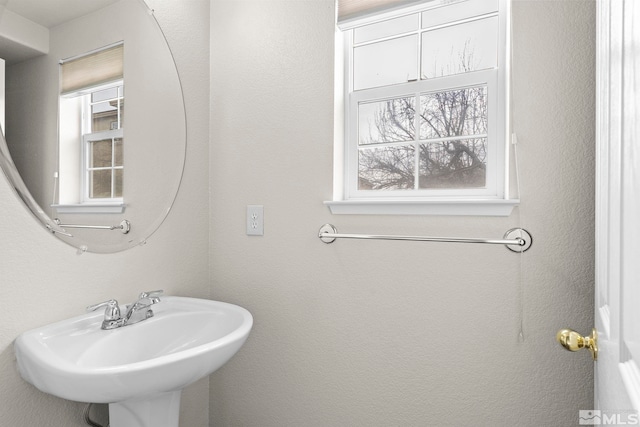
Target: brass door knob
(573, 341)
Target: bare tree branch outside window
(450, 150)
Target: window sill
(84, 208)
(486, 207)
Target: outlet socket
(255, 220)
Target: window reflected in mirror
(92, 127)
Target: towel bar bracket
(522, 235)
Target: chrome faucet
(136, 312)
(139, 310)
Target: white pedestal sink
(141, 369)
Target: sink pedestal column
(158, 410)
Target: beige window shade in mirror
(94, 69)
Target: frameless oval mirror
(94, 120)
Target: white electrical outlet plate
(255, 220)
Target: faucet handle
(112, 312)
(149, 294)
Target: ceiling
(50, 13)
(47, 13)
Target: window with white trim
(92, 132)
(102, 144)
(424, 107)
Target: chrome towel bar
(124, 227)
(515, 239)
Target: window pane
(453, 164)
(117, 147)
(117, 191)
(100, 184)
(104, 116)
(457, 10)
(454, 113)
(388, 168)
(104, 95)
(384, 29)
(460, 48)
(386, 121)
(385, 63)
(100, 153)
(104, 109)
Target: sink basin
(135, 367)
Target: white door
(617, 289)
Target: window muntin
(460, 148)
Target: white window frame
(72, 182)
(491, 200)
(88, 138)
(79, 190)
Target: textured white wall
(370, 333)
(43, 280)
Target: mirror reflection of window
(102, 142)
(91, 127)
